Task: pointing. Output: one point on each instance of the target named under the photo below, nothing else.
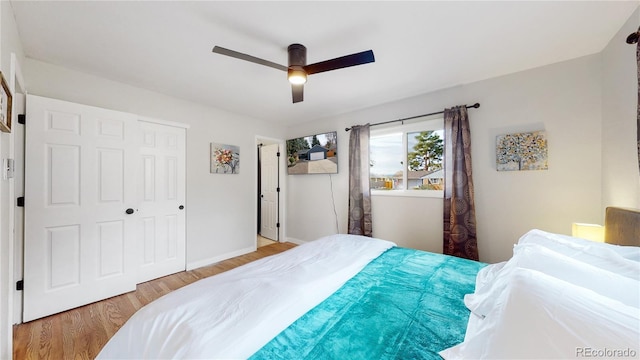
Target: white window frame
(417, 125)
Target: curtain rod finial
(633, 38)
(476, 105)
(347, 129)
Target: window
(407, 160)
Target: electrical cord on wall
(333, 200)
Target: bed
(347, 296)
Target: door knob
(181, 207)
(129, 211)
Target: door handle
(181, 207)
(129, 211)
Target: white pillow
(550, 239)
(539, 258)
(597, 254)
(541, 317)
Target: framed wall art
(521, 151)
(225, 159)
(6, 101)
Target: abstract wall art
(225, 159)
(521, 151)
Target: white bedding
(540, 317)
(559, 266)
(234, 314)
(558, 297)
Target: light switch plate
(8, 168)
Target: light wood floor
(81, 333)
(263, 241)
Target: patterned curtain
(459, 207)
(359, 191)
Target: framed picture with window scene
(6, 101)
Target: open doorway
(269, 191)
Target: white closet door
(268, 191)
(161, 199)
(80, 178)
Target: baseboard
(206, 262)
(295, 241)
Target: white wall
(564, 99)
(220, 208)
(620, 174)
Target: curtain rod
(475, 106)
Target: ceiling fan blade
(341, 62)
(249, 58)
(298, 93)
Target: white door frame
(17, 86)
(7, 239)
(269, 184)
(282, 236)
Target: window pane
(424, 160)
(386, 156)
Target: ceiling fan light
(297, 76)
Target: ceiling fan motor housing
(297, 56)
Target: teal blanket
(406, 304)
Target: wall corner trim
(296, 241)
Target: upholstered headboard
(622, 226)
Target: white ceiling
(419, 46)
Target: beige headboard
(622, 226)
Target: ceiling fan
(298, 69)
